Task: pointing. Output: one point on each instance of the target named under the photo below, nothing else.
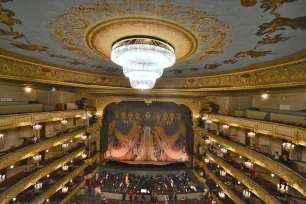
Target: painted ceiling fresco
(230, 34)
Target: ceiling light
(143, 60)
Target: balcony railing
(16, 120)
(28, 151)
(39, 173)
(286, 132)
(223, 186)
(253, 186)
(293, 178)
(59, 185)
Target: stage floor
(127, 167)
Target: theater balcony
(289, 132)
(24, 151)
(11, 190)
(293, 178)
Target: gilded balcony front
(59, 185)
(204, 182)
(12, 158)
(282, 131)
(71, 194)
(30, 180)
(16, 120)
(294, 179)
(253, 186)
(223, 186)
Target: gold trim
(290, 74)
(202, 180)
(231, 194)
(58, 185)
(291, 177)
(17, 120)
(12, 158)
(30, 180)
(282, 131)
(101, 36)
(254, 187)
(71, 194)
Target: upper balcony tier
(28, 151)
(293, 178)
(17, 120)
(283, 131)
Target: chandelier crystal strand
(143, 60)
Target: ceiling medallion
(101, 22)
(143, 59)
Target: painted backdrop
(137, 131)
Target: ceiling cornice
(285, 75)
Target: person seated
(276, 156)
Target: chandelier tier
(143, 59)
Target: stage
(146, 168)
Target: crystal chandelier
(282, 188)
(288, 146)
(65, 189)
(143, 59)
(2, 178)
(65, 168)
(38, 186)
(224, 150)
(221, 194)
(222, 173)
(225, 127)
(64, 122)
(247, 194)
(251, 134)
(37, 126)
(207, 141)
(249, 164)
(37, 157)
(84, 155)
(65, 145)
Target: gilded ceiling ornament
(209, 36)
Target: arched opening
(147, 133)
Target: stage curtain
(127, 137)
(168, 139)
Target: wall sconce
(1, 135)
(251, 134)
(64, 122)
(37, 126)
(225, 127)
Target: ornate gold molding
(286, 132)
(232, 195)
(291, 177)
(254, 187)
(286, 74)
(192, 103)
(202, 180)
(30, 180)
(31, 150)
(58, 185)
(71, 194)
(17, 120)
